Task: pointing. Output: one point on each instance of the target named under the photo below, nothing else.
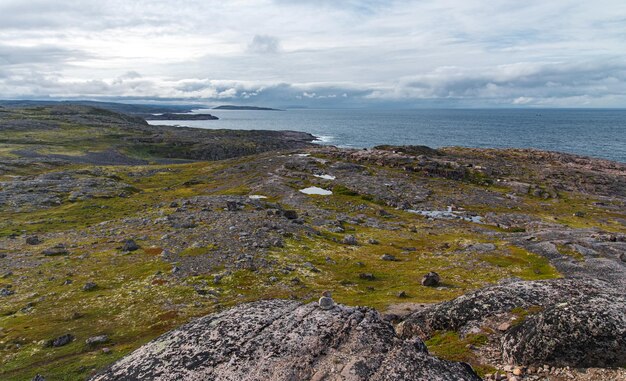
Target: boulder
(388, 257)
(60, 341)
(130, 245)
(290, 214)
(33, 240)
(55, 250)
(584, 332)
(285, 340)
(431, 279)
(349, 240)
(568, 322)
(95, 340)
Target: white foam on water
(325, 177)
(317, 191)
(324, 138)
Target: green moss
(450, 346)
(522, 263)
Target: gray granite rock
(285, 340)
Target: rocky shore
(214, 247)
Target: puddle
(447, 214)
(325, 177)
(316, 190)
(256, 197)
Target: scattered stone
(504, 327)
(326, 302)
(367, 276)
(232, 206)
(310, 267)
(372, 241)
(402, 294)
(60, 341)
(55, 250)
(106, 350)
(33, 240)
(96, 340)
(130, 245)
(90, 286)
(6, 291)
(290, 214)
(431, 279)
(349, 240)
(388, 257)
(38, 377)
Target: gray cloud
(402, 53)
(264, 44)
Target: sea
(590, 132)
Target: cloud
(400, 53)
(264, 44)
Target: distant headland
(247, 108)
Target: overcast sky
(325, 53)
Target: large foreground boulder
(561, 322)
(478, 305)
(285, 340)
(587, 332)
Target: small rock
(60, 341)
(290, 214)
(326, 302)
(402, 294)
(367, 276)
(38, 377)
(372, 241)
(6, 292)
(388, 257)
(33, 240)
(349, 240)
(504, 327)
(90, 286)
(310, 267)
(95, 340)
(55, 250)
(431, 279)
(232, 206)
(518, 371)
(622, 257)
(106, 350)
(130, 245)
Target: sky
(324, 53)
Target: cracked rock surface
(285, 340)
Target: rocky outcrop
(285, 340)
(561, 322)
(489, 301)
(588, 332)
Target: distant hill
(248, 108)
(133, 109)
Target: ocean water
(589, 132)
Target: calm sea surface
(599, 133)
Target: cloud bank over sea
(448, 53)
